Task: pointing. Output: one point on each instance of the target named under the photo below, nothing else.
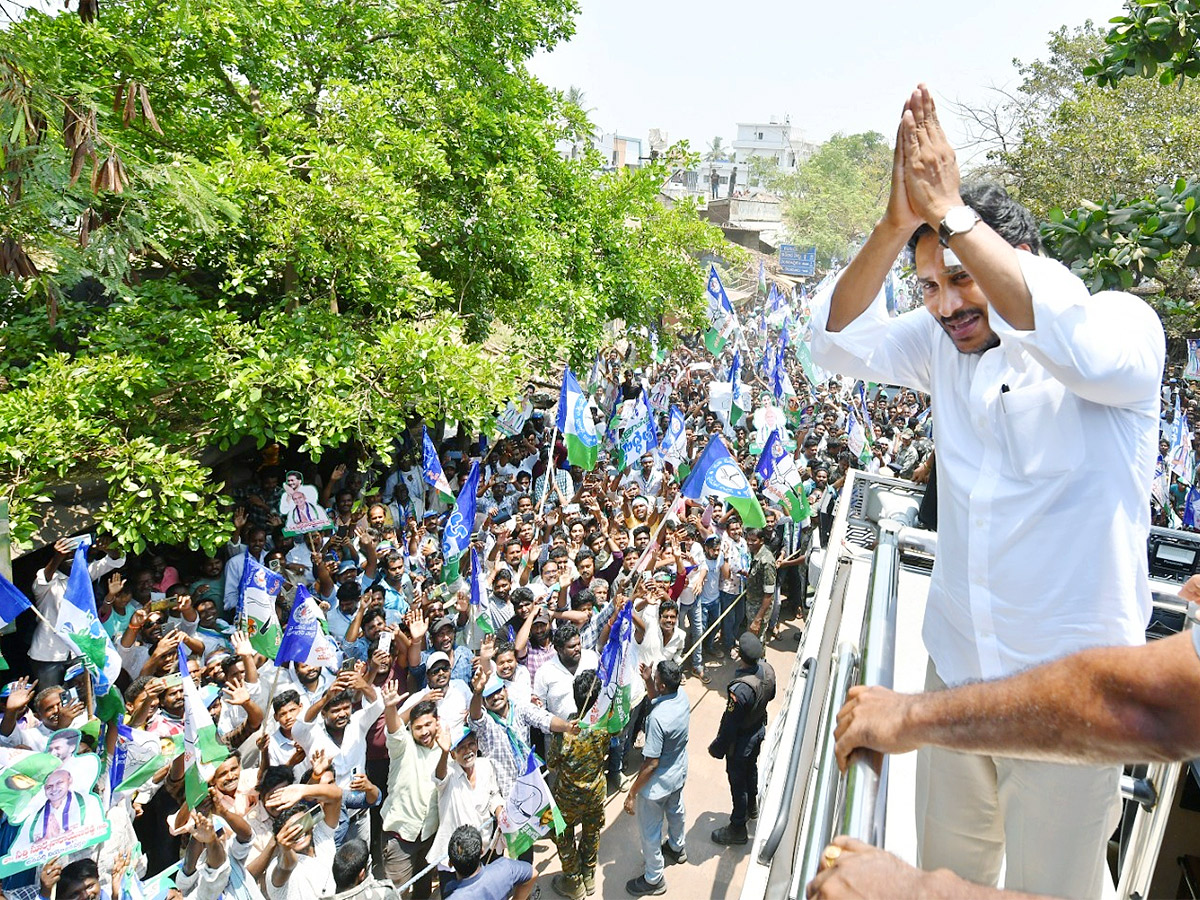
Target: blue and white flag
(457, 536)
(79, 625)
(1183, 461)
(256, 606)
(1191, 507)
(304, 640)
(674, 445)
(485, 616)
(639, 435)
(735, 369)
(431, 467)
(12, 602)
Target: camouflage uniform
(578, 763)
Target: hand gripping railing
(863, 815)
(819, 828)
(866, 777)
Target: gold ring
(830, 856)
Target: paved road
(711, 872)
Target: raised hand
(931, 176)
(236, 692)
(21, 695)
(241, 643)
(487, 647)
(321, 763)
(391, 693)
(73, 710)
(116, 585)
(479, 678)
(239, 518)
(202, 828)
(443, 738)
(418, 625)
(138, 619)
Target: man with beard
(256, 546)
(533, 645)
(341, 733)
(554, 683)
(410, 812)
(1047, 417)
(497, 719)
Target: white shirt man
(1047, 415)
(555, 683)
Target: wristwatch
(958, 220)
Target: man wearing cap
(760, 580)
(442, 638)
(1047, 421)
(451, 695)
(907, 456)
(740, 736)
(503, 724)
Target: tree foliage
(836, 196)
(283, 220)
(1155, 38)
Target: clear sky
(696, 69)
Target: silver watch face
(960, 218)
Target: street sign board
(794, 260)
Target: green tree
(836, 196)
(716, 150)
(294, 221)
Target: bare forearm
(863, 278)
(1108, 705)
(993, 264)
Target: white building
(772, 139)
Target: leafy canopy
(295, 222)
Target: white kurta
(1046, 447)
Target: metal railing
(866, 775)
(819, 829)
(767, 852)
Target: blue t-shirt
(495, 881)
(666, 741)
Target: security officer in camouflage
(740, 737)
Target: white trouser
(1049, 823)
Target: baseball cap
(436, 658)
(750, 647)
(444, 622)
(543, 615)
(209, 694)
(494, 684)
(712, 539)
(348, 566)
(462, 736)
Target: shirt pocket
(1041, 429)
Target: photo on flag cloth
(529, 811)
(60, 816)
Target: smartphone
(527, 517)
(74, 542)
(312, 816)
(69, 696)
(501, 518)
(348, 665)
(385, 641)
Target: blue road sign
(796, 261)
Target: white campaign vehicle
(865, 628)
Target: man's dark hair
(503, 647)
(640, 530)
(349, 863)
(584, 553)
(585, 597)
(424, 708)
(586, 688)
(466, 850)
(371, 615)
(563, 635)
(74, 874)
(339, 697)
(349, 591)
(520, 595)
(670, 675)
(668, 606)
(508, 545)
(1000, 212)
(502, 575)
(558, 554)
(282, 699)
(273, 777)
(756, 533)
(285, 815)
